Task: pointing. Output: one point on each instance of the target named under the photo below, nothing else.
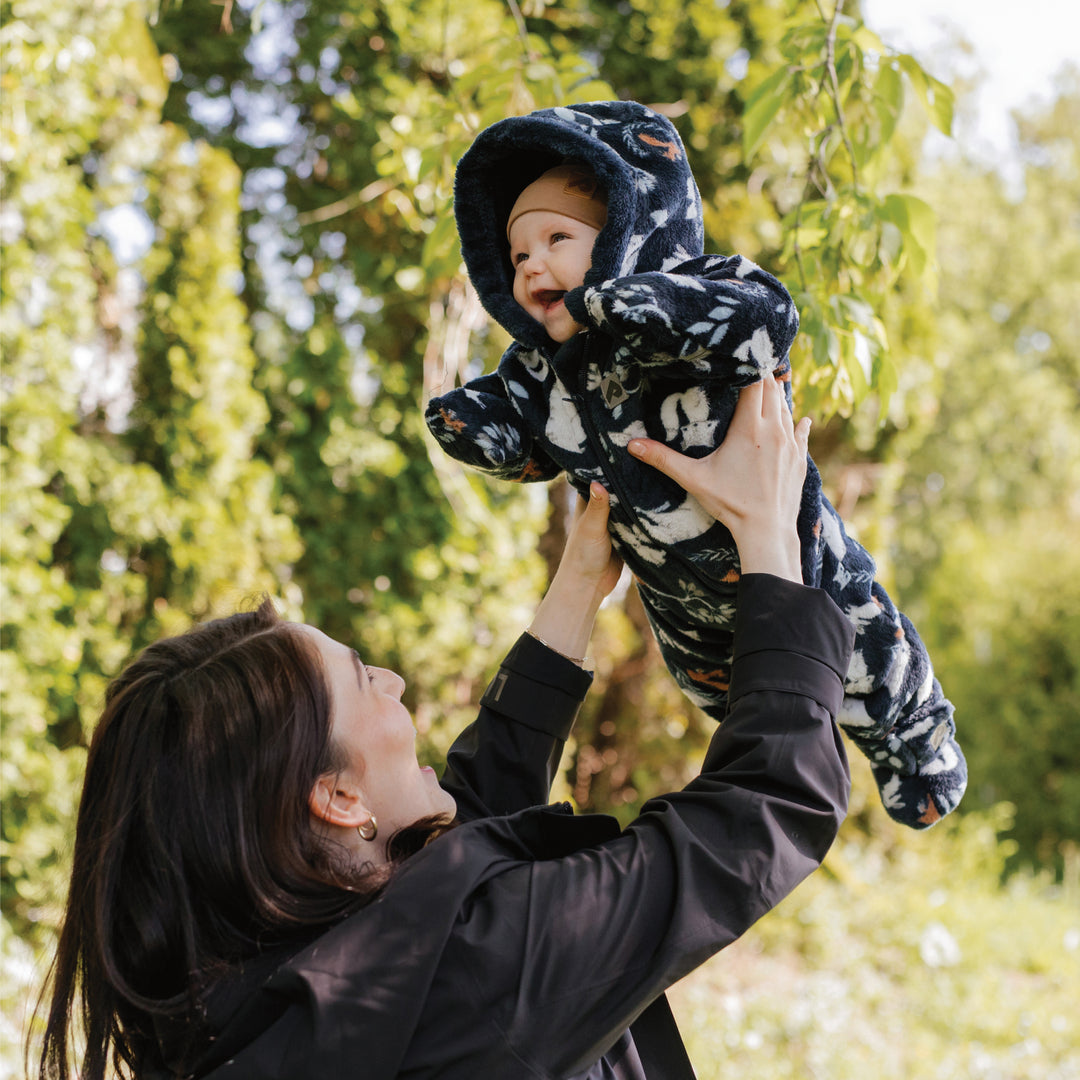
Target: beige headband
(567, 189)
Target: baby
(581, 230)
(551, 231)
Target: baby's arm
(722, 314)
(478, 425)
(894, 709)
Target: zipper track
(597, 443)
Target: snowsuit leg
(894, 709)
(698, 659)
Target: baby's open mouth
(548, 298)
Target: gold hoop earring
(369, 830)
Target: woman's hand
(588, 554)
(752, 482)
(588, 571)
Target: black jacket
(529, 943)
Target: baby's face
(550, 253)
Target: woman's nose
(400, 682)
(389, 682)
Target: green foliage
(827, 116)
(55, 281)
(119, 523)
(899, 960)
(986, 512)
(364, 306)
(1007, 634)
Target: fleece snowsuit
(672, 334)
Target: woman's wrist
(564, 620)
(587, 572)
(581, 661)
(770, 551)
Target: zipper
(596, 442)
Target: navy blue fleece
(672, 335)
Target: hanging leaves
(839, 90)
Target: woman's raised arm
(506, 759)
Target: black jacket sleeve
(506, 759)
(562, 955)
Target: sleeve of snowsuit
(894, 710)
(722, 313)
(580, 945)
(478, 425)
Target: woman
(266, 884)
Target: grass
(904, 958)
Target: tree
(131, 505)
(988, 496)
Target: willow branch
(523, 32)
(343, 206)
(834, 86)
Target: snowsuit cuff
(574, 302)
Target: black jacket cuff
(774, 616)
(538, 688)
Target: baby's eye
(556, 237)
(519, 258)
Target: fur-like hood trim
(654, 208)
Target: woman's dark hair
(194, 847)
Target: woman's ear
(332, 800)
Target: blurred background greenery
(230, 278)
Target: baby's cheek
(519, 289)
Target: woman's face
(374, 733)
